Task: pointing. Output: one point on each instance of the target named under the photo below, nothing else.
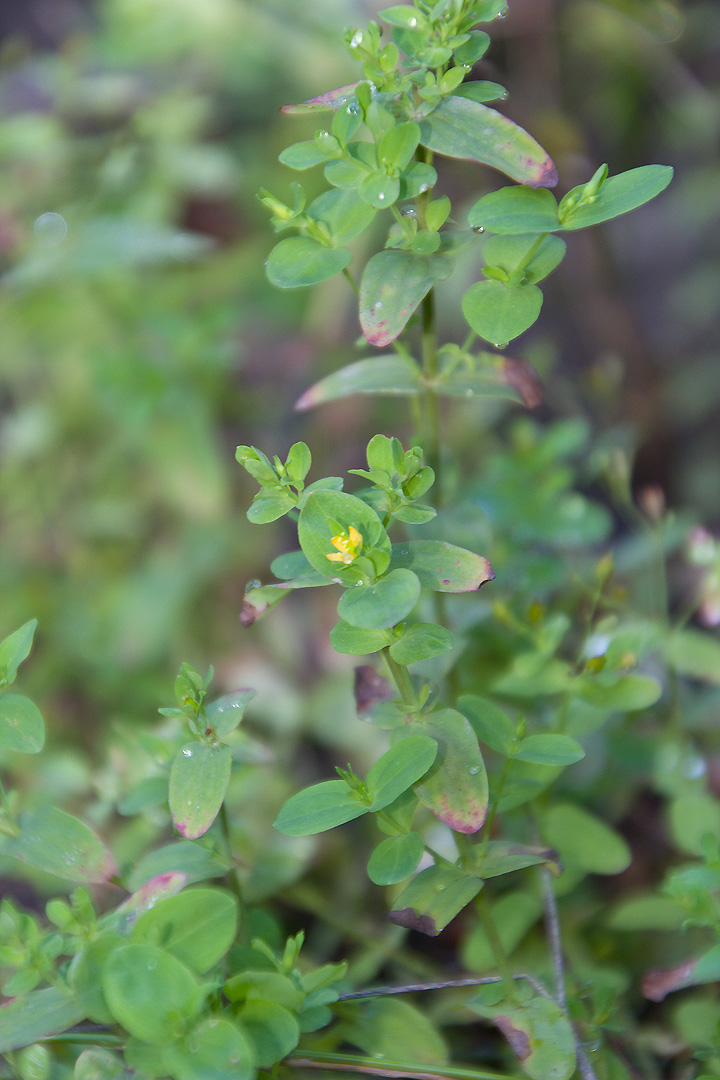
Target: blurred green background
(140, 341)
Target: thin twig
(449, 984)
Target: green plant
(487, 701)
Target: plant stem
(353, 283)
(401, 678)
(373, 1067)
(496, 946)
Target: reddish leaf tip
(410, 919)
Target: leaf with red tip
(706, 969)
(455, 789)
(61, 844)
(387, 374)
(441, 566)
(393, 285)
(331, 100)
(433, 897)
(198, 780)
(462, 128)
(144, 898)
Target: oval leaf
(499, 313)
(619, 194)
(14, 649)
(462, 128)
(441, 566)
(149, 992)
(214, 1050)
(21, 725)
(421, 641)
(299, 261)
(198, 780)
(378, 606)
(392, 286)
(539, 1034)
(318, 808)
(352, 641)
(456, 788)
(326, 512)
(395, 858)
(516, 210)
(38, 1014)
(61, 844)
(550, 750)
(272, 1029)
(433, 898)
(584, 841)
(225, 714)
(387, 374)
(197, 926)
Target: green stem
(401, 678)
(531, 252)
(375, 1067)
(352, 281)
(496, 947)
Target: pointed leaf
(21, 725)
(61, 844)
(462, 128)
(14, 649)
(619, 194)
(185, 857)
(456, 787)
(584, 841)
(331, 100)
(38, 1014)
(493, 376)
(378, 606)
(387, 374)
(144, 898)
(318, 808)
(499, 313)
(224, 714)
(550, 749)
(705, 969)
(489, 722)
(392, 286)
(442, 566)
(421, 641)
(299, 261)
(433, 898)
(502, 857)
(395, 858)
(198, 780)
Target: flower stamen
(348, 546)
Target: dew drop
(474, 770)
(412, 23)
(356, 39)
(381, 197)
(187, 752)
(423, 188)
(468, 393)
(50, 228)
(478, 229)
(152, 964)
(500, 344)
(353, 108)
(409, 211)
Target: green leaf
(550, 750)
(404, 15)
(514, 914)
(692, 818)
(380, 190)
(324, 514)
(492, 376)
(399, 768)
(397, 146)
(185, 857)
(303, 155)
(489, 723)
(498, 312)
(265, 508)
(344, 215)
(421, 641)
(387, 374)
(14, 649)
(625, 694)
(299, 261)
(21, 725)
(539, 1034)
(216, 1049)
(273, 1031)
(38, 1014)
(97, 1064)
(332, 99)
(198, 780)
(502, 857)
(150, 993)
(378, 606)
(391, 1029)
(433, 898)
(618, 195)
(509, 252)
(270, 985)
(456, 788)
(151, 791)
(395, 858)
(352, 641)
(442, 566)
(695, 654)
(225, 713)
(462, 128)
(319, 808)
(647, 912)
(85, 973)
(481, 90)
(145, 897)
(291, 564)
(197, 926)
(584, 841)
(392, 286)
(61, 844)
(516, 210)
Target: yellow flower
(348, 547)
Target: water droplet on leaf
(356, 39)
(50, 228)
(478, 229)
(187, 752)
